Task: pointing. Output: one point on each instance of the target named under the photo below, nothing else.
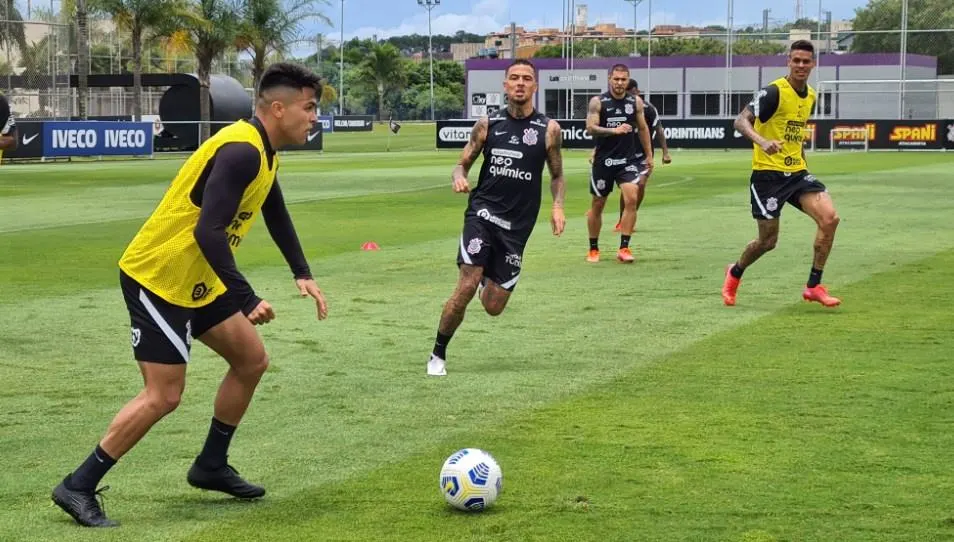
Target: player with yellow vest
(775, 121)
(179, 279)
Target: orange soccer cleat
(730, 287)
(593, 256)
(820, 294)
(625, 255)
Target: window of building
(705, 104)
(557, 104)
(666, 103)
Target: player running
(618, 159)
(656, 129)
(179, 279)
(503, 208)
(780, 112)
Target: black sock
(594, 243)
(440, 345)
(814, 278)
(88, 475)
(736, 271)
(215, 452)
(624, 241)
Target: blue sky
(384, 18)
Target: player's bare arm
(644, 136)
(8, 142)
(744, 123)
(593, 121)
(282, 229)
(478, 135)
(557, 181)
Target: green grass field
(622, 402)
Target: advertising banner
(327, 123)
(692, 134)
(29, 142)
(313, 142)
(882, 134)
(353, 123)
(97, 138)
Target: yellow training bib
(786, 125)
(164, 256)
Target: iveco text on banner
(93, 138)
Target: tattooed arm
(469, 155)
(557, 182)
(593, 122)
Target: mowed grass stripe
(804, 425)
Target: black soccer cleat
(82, 506)
(225, 479)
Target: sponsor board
(313, 142)
(93, 138)
(352, 123)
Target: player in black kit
(610, 120)
(502, 210)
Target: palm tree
(140, 17)
(82, 59)
(35, 61)
(383, 68)
(12, 33)
(272, 26)
(210, 26)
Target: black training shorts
(498, 251)
(162, 332)
(769, 191)
(609, 172)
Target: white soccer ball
(471, 479)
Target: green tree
(382, 68)
(139, 17)
(12, 32)
(272, 27)
(210, 28)
(82, 59)
(922, 15)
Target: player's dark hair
(522, 62)
(632, 85)
(619, 68)
(289, 75)
(803, 45)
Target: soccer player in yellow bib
(775, 121)
(179, 280)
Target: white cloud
(486, 16)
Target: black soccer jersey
(652, 119)
(615, 112)
(508, 189)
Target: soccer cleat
(593, 256)
(625, 255)
(82, 506)
(820, 294)
(730, 287)
(225, 479)
(435, 366)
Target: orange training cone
(370, 245)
